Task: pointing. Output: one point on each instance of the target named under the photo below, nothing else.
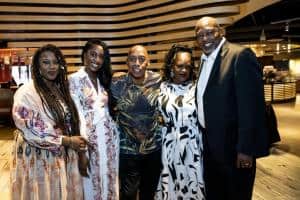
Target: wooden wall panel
(81, 6)
(72, 2)
(139, 9)
(157, 24)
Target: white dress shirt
(207, 63)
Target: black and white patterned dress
(182, 173)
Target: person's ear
(222, 31)
(172, 73)
(148, 61)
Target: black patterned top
(136, 113)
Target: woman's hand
(78, 143)
(83, 164)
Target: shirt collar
(214, 54)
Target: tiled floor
(278, 175)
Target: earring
(171, 74)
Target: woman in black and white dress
(182, 173)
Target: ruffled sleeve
(30, 118)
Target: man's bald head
(208, 34)
(207, 22)
(137, 61)
(138, 48)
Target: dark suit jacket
(234, 107)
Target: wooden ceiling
(157, 24)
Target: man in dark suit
(231, 112)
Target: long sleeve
(250, 101)
(89, 103)
(76, 97)
(29, 117)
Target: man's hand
(244, 161)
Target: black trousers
(226, 182)
(139, 173)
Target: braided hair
(170, 61)
(49, 101)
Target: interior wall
(28, 24)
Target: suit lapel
(217, 64)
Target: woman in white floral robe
(88, 88)
(44, 164)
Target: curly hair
(170, 59)
(105, 72)
(49, 100)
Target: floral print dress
(40, 168)
(100, 131)
(182, 173)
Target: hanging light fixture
(262, 36)
(277, 48)
(286, 27)
(289, 45)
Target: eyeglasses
(208, 33)
(133, 59)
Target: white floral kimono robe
(100, 131)
(40, 168)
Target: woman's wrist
(71, 143)
(66, 141)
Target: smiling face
(182, 67)
(137, 61)
(49, 67)
(93, 58)
(208, 34)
